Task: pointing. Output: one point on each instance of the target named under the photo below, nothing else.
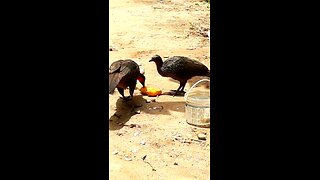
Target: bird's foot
(178, 93)
(125, 99)
(174, 93)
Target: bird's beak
(151, 60)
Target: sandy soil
(140, 29)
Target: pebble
(138, 112)
(152, 100)
(202, 136)
(135, 125)
(191, 48)
(127, 158)
(119, 134)
(112, 49)
(136, 133)
(134, 151)
(158, 107)
(194, 129)
(143, 142)
(175, 163)
(115, 152)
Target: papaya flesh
(150, 91)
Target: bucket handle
(187, 94)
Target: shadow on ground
(124, 111)
(163, 108)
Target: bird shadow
(163, 108)
(124, 111)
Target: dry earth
(140, 29)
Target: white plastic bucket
(198, 107)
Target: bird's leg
(177, 90)
(131, 90)
(180, 89)
(121, 91)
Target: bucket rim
(187, 94)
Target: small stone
(175, 163)
(191, 48)
(136, 133)
(112, 49)
(202, 136)
(127, 158)
(119, 134)
(158, 107)
(134, 126)
(138, 112)
(143, 142)
(115, 152)
(134, 151)
(148, 101)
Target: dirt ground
(154, 141)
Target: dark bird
(123, 74)
(180, 68)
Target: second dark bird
(123, 74)
(180, 68)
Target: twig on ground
(143, 158)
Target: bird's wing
(114, 75)
(185, 67)
(114, 80)
(121, 69)
(129, 67)
(115, 66)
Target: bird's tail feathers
(114, 79)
